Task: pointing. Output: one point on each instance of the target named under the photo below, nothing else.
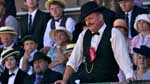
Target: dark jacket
(18, 80)
(48, 77)
(38, 26)
(135, 12)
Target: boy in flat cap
(30, 46)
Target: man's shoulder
(51, 72)
(139, 10)
(29, 79)
(43, 13)
(52, 75)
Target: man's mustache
(89, 24)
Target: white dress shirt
(70, 26)
(11, 79)
(119, 48)
(10, 46)
(33, 13)
(30, 71)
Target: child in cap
(30, 47)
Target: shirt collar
(39, 76)
(15, 71)
(101, 30)
(9, 47)
(129, 12)
(31, 55)
(33, 12)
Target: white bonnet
(144, 17)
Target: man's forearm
(24, 65)
(68, 73)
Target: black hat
(29, 38)
(39, 55)
(143, 50)
(89, 8)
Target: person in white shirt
(30, 47)
(12, 73)
(99, 51)
(58, 21)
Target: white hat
(8, 30)
(69, 47)
(144, 17)
(52, 33)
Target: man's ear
(36, 45)
(25, 4)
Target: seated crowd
(103, 46)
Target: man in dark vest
(99, 51)
(59, 21)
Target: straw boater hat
(52, 33)
(61, 3)
(39, 55)
(69, 48)
(8, 30)
(144, 17)
(88, 8)
(120, 23)
(9, 52)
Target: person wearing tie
(97, 57)
(42, 75)
(13, 75)
(34, 22)
(58, 21)
(129, 11)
